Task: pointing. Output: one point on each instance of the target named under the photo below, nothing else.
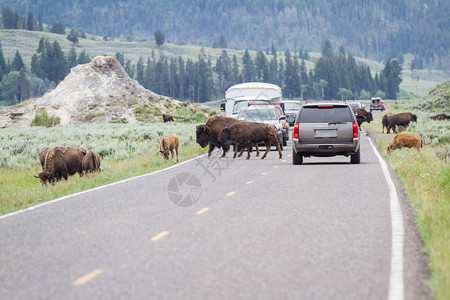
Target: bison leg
(242, 152)
(211, 149)
(267, 149)
(176, 150)
(249, 147)
(235, 151)
(225, 150)
(257, 149)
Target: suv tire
(284, 140)
(297, 158)
(356, 158)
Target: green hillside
(26, 42)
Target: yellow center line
(160, 235)
(231, 194)
(283, 160)
(275, 167)
(202, 211)
(249, 182)
(87, 277)
(265, 173)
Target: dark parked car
(326, 129)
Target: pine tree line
(334, 76)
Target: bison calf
(385, 121)
(91, 162)
(169, 143)
(405, 140)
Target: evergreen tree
(83, 58)
(273, 69)
(10, 19)
(3, 70)
(261, 67)
(140, 71)
(72, 36)
(17, 63)
(327, 48)
(291, 77)
(184, 80)
(159, 38)
(57, 28)
(24, 87)
(36, 68)
(72, 58)
(40, 24)
(222, 42)
(248, 68)
(203, 80)
(235, 71)
(392, 77)
(31, 22)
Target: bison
(169, 143)
(362, 115)
(440, 117)
(167, 118)
(42, 156)
(91, 162)
(385, 120)
(62, 162)
(405, 140)
(209, 133)
(246, 134)
(400, 119)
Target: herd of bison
(218, 131)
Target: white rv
(244, 94)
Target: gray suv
(326, 129)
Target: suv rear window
(325, 114)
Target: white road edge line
(96, 188)
(396, 289)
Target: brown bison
(91, 162)
(62, 162)
(246, 134)
(362, 115)
(400, 119)
(385, 120)
(209, 133)
(405, 140)
(440, 117)
(169, 143)
(167, 118)
(42, 156)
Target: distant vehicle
(376, 104)
(356, 104)
(243, 94)
(326, 129)
(263, 114)
(282, 118)
(291, 109)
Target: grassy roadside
(19, 189)
(426, 178)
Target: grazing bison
(42, 156)
(62, 162)
(362, 115)
(440, 117)
(209, 133)
(91, 162)
(246, 134)
(385, 120)
(405, 140)
(167, 118)
(400, 119)
(169, 143)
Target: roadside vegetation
(426, 176)
(126, 150)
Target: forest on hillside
(335, 75)
(366, 28)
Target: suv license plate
(326, 147)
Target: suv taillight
(355, 130)
(296, 133)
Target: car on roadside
(324, 130)
(264, 114)
(291, 109)
(377, 104)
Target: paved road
(217, 229)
